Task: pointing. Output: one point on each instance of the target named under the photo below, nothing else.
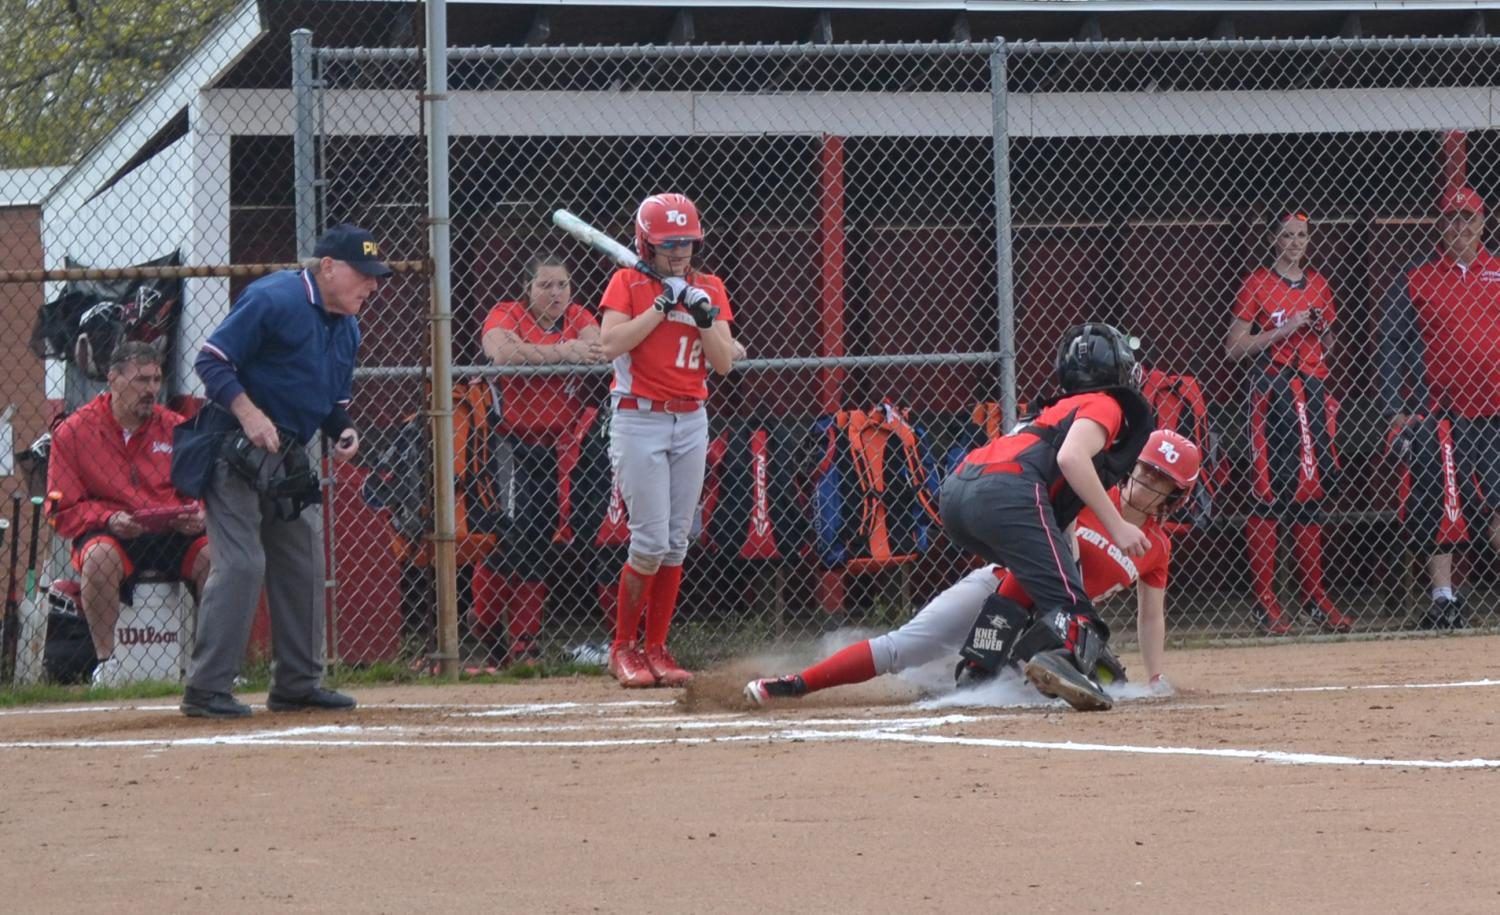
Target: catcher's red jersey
(669, 363)
(1106, 569)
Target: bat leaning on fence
(11, 640)
(600, 242)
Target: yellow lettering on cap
(371, 249)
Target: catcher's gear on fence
(664, 217)
(287, 476)
(698, 304)
(1093, 357)
(992, 641)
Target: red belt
(676, 405)
(999, 467)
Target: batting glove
(700, 306)
(664, 303)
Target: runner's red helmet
(1176, 456)
(665, 217)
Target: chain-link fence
(1293, 230)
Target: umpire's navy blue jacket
(293, 358)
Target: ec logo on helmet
(677, 217)
(1170, 452)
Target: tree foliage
(71, 69)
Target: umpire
(282, 365)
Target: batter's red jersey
(668, 364)
(99, 472)
(538, 405)
(1106, 570)
(1267, 299)
(1033, 457)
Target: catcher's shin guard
(992, 640)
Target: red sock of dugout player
(854, 664)
(1310, 564)
(634, 592)
(664, 587)
(527, 600)
(491, 594)
(1261, 539)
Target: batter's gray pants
(250, 548)
(658, 459)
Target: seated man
(110, 468)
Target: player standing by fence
(1283, 318)
(1440, 342)
(663, 337)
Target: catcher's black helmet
(1096, 356)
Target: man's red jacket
(99, 473)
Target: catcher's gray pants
(939, 629)
(250, 548)
(659, 462)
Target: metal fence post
(304, 150)
(444, 550)
(1005, 305)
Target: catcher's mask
(286, 476)
(100, 330)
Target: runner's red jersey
(1106, 569)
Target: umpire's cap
(355, 247)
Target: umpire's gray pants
(250, 548)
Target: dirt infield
(1360, 777)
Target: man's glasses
(677, 244)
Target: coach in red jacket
(111, 462)
(1440, 359)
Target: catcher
(1162, 481)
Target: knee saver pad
(645, 565)
(992, 641)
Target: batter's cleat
(761, 692)
(1332, 619)
(1053, 674)
(665, 667)
(627, 664)
(1445, 613)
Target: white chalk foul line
(1276, 756)
(1457, 684)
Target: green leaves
(71, 69)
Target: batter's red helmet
(664, 217)
(1176, 456)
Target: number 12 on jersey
(689, 353)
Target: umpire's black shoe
(317, 698)
(200, 703)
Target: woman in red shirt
(663, 335)
(538, 417)
(1283, 320)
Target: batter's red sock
(1261, 538)
(634, 592)
(527, 600)
(854, 664)
(1309, 538)
(663, 603)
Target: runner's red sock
(854, 664)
